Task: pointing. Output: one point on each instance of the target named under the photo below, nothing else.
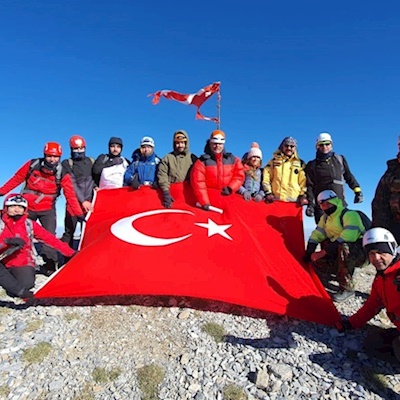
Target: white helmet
(324, 137)
(16, 200)
(326, 195)
(380, 239)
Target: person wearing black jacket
(328, 171)
(79, 166)
(109, 169)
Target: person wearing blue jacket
(143, 169)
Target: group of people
(345, 238)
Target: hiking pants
(70, 223)
(48, 219)
(14, 280)
(348, 257)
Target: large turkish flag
(245, 255)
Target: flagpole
(219, 110)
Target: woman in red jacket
(17, 266)
(216, 169)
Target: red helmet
(76, 141)
(52, 149)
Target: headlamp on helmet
(16, 200)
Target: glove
(168, 199)
(247, 195)
(15, 241)
(269, 198)
(135, 182)
(258, 198)
(396, 282)
(358, 197)
(302, 199)
(311, 247)
(226, 191)
(206, 207)
(344, 325)
(310, 211)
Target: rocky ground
(168, 350)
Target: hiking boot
(44, 271)
(342, 295)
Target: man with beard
(109, 169)
(216, 169)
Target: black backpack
(364, 218)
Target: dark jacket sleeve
(70, 195)
(348, 176)
(381, 213)
(310, 175)
(98, 168)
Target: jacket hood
(184, 133)
(338, 203)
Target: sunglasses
(324, 144)
(290, 146)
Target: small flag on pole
(195, 99)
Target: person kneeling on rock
(381, 247)
(340, 233)
(17, 266)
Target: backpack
(364, 218)
(71, 162)
(35, 166)
(37, 259)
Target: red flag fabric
(247, 254)
(195, 99)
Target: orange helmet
(52, 149)
(76, 141)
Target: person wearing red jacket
(17, 266)
(381, 247)
(44, 178)
(216, 169)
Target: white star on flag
(215, 229)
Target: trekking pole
(9, 251)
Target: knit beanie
(379, 246)
(288, 140)
(254, 151)
(180, 136)
(217, 136)
(115, 140)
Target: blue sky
(286, 68)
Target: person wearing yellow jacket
(340, 233)
(284, 176)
